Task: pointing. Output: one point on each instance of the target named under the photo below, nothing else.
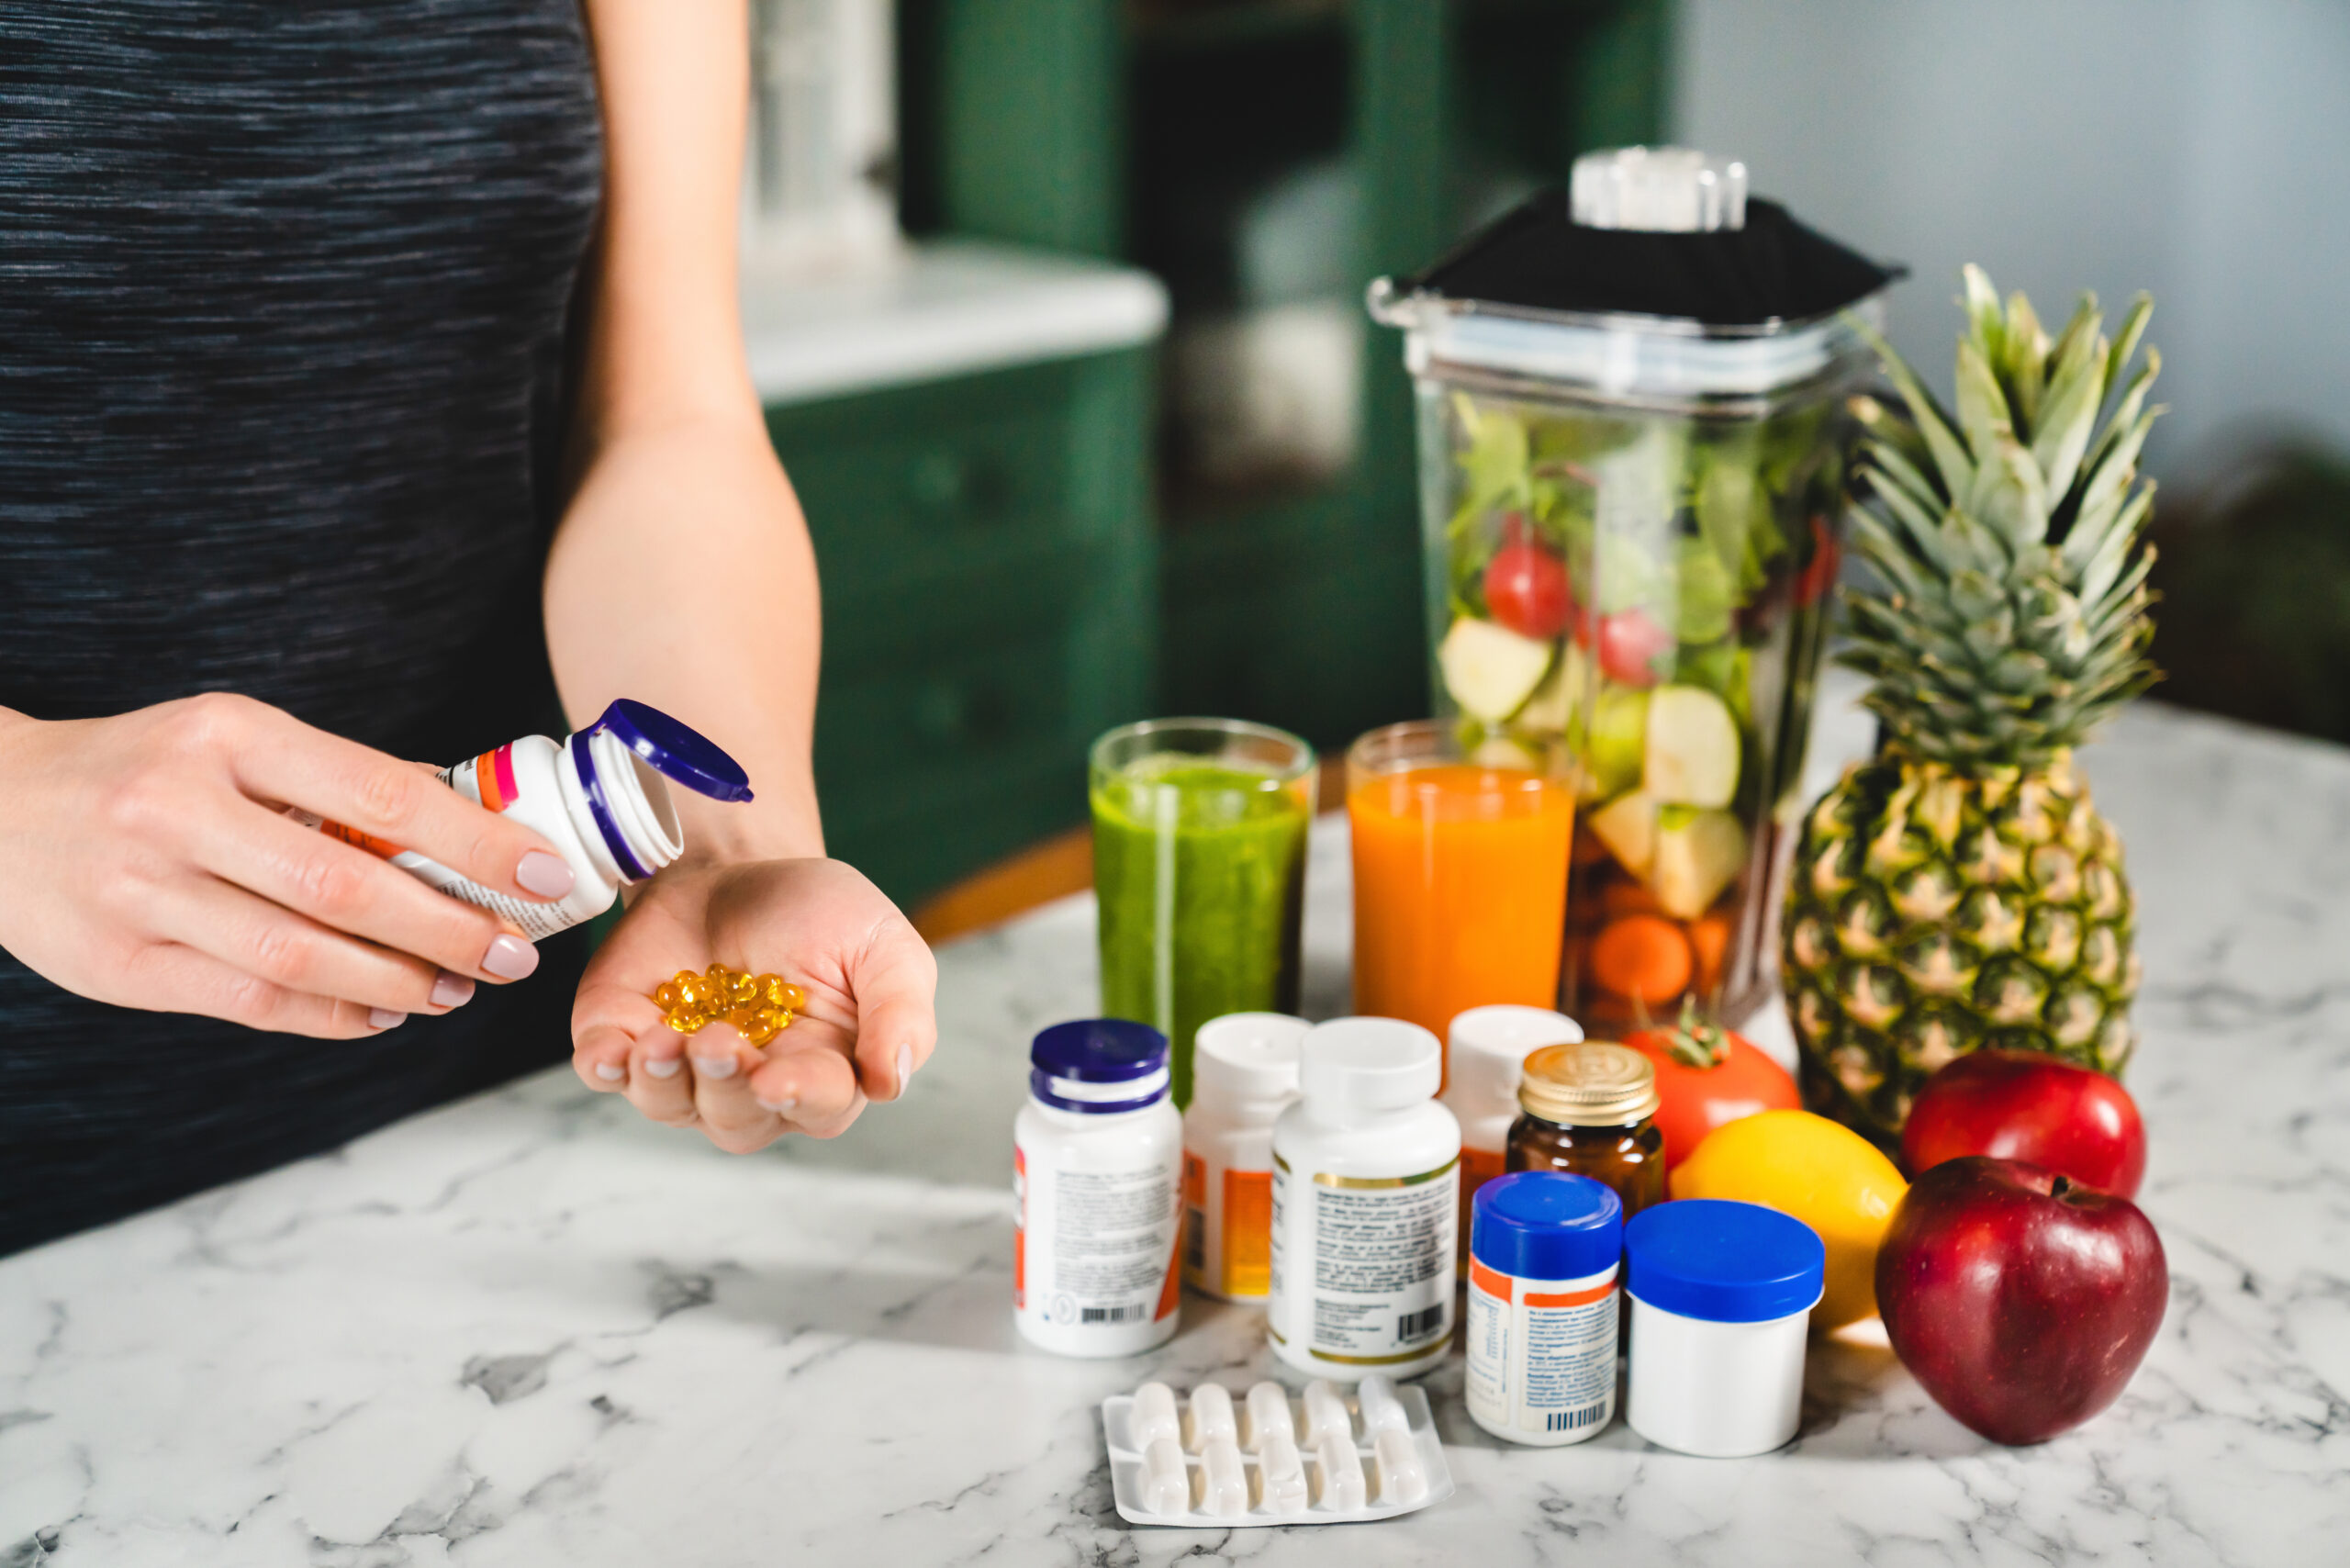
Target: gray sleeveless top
(283, 294)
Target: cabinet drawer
(888, 737)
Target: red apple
(1525, 588)
(2025, 1106)
(2022, 1300)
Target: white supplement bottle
(1486, 1051)
(1244, 1074)
(1097, 1158)
(600, 797)
(1722, 1294)
(1543, 1307)
(1366, 1184)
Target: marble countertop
(533, 1329)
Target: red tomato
(1707, 1075)
(1630, 644)
(1826, 559)
(1526, 589)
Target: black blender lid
(1536, 256)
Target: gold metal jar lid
(1595, 1084)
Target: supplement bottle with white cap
(1097, 1156)
(599, 795)
(1244, 1075)
(1486, 1053)
(1366, 1198)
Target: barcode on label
(1195, 1241)
(1571, 1420)
(1413, 1325)
(1128, 1314)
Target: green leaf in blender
(1493, 468)
(1692, 754)
(1491, 670)
(1706, 595)
(1694, 854)
(1733, 505)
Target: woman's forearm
(682, 577)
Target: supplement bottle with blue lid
(1543, 1253)
(1722, 1294)
(1097, 1163)
(600, 797)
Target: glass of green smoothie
(1199, 865)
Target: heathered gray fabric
(284, 286)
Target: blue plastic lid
(1723, 1262)
(677, 752)
(1547, 1225)
(1099, 1065)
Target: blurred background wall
(2190, 146)
(2194, 148)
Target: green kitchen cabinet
(983, 535)
(1117, 129)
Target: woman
(370, 379)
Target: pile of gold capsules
(759, 1006)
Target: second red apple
(2025, 1106)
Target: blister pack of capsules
(1268, 1460)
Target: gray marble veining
(531, 1330)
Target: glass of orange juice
(1461, 874)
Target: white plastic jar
(1244, 1075)
(1366, 1195)
(600, 797)
(1097, 1154)
(1543, 1307)
(1722, 1294)
(1485, 1054)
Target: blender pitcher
(1632, 445)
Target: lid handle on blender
(1658, 189)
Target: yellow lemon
(1823, 1172)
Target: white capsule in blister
(1325, 1413)
(1166, 1485)
(1268, 1416)
(1211, 1417)
(1154, 1415)
(1341, 1467)
(1375, 1397)
(1280, 1474)
(1403, 1479)
(1224, 1484)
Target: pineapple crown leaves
(2009, 617)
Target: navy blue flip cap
(1546, 1225)
(1099, 1065)
(1723, 1262)
(677, 752)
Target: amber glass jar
(1590, 1110)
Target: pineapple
(1960, 889)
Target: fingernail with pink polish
(510, 957)
(609, 1073)
(714, 1066)
(385, 1018)
(451, 991)
(549, 876)
(664, 1067)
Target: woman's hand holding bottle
(146, 860)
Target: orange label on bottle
(358, 840)
(1019, 1227)
(1171, 1294)
(1247, 1259)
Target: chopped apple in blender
(1489, 670)
(1696, 855)
(1552, 706)
(1692, 753)
(1618, 741)
(1626, 826)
